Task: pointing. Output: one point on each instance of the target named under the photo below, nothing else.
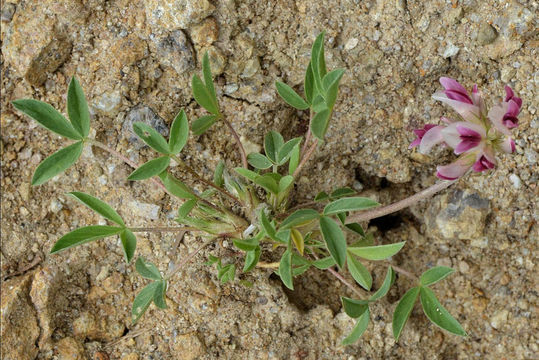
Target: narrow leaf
(357, 228)
(359, 329)
(285, 269)
(77, 108)
(273, 142)
(299, 218)
(100, 207)
(438, 314)
(142, 301)
(147, 270)
(294, 160)
(380, 252)
(308, 84)
(129, 244)
(360, 274)
(83, 235)
(159, 294)
(285, 183)
(434, 275)
(151, 168)
(245, 245)
(349, 204)
(354, 308)
(286, 150)
(202, 96)
(186, 208)
(341, 192)
(335, 240)
(388, 281)
(151, 137)
(331, 84)
(321, 196)
(258, 161)
(319, 104)
(248, 174)
(319, 124)
(218, 178)
(251, 259)
(324, 263)
(297, 239)
(175, 186)
(203, 123)
(268, 183)
(57, 163)
(403, 310)
(208, 78)
(290, 96)
(48, 117)
(227, 273)
(316, 55)
(179, 133)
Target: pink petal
(452, 135)
(468, 111)
(508, 145)
(431, 138)
(447, 120)
(512, 108)
(510, 95)
(484, 163)
(496, 115)
(454, 170)
(452, 85)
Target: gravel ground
(135, 60)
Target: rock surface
(135, 60)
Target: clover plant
(251, 205)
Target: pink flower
(477, 136)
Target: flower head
(477, 136)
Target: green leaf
(299, 218)
(308, 84)
(151, 137)
(388, 281)
(438, 314)
(335, 240)
(251, 259)
(151, 168)
(403, 310)
(290, 96)
(273, 142)
(203, 123)
(83, 235)
(98, 206)
(147, 270)
(380, 252)
(218, 178)
(359, 329)
(227, 273)
(77, 108)
(179, 132)
(159, 294)
(341, 192)
(354, 308)
(186, 208)
(355, 227)
(267, 226)
(258, 161)
(175, 186)
(331, 85)
(434, 275)
(360, 274)
(349, 204)
(285, 183)
(286, 150)
(129, 244)
(321, 196)
(297, 239)
(208, 78)
(319, 104)
(57, 163)
(47, 116)
(143, 300)
(245, 245)
(317, 60)
(203, 96)
(294, 160)
(319, 124)
(248, 174)
(324, 263)
(211, 260)
(283, 235)
(285, 269)
(268, 183)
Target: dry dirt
(135, 60)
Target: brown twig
(404, 272)
(399, 205)
(238, 143)
(341, 278)
(305, 158)
(163, 229)
(189, 257)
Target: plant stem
(305, 158)
(399, 205)
(190, 257)
(128, 161)
(201, 179)
(238, 143)
(404, 272)
(341, 278)
(163, 229)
